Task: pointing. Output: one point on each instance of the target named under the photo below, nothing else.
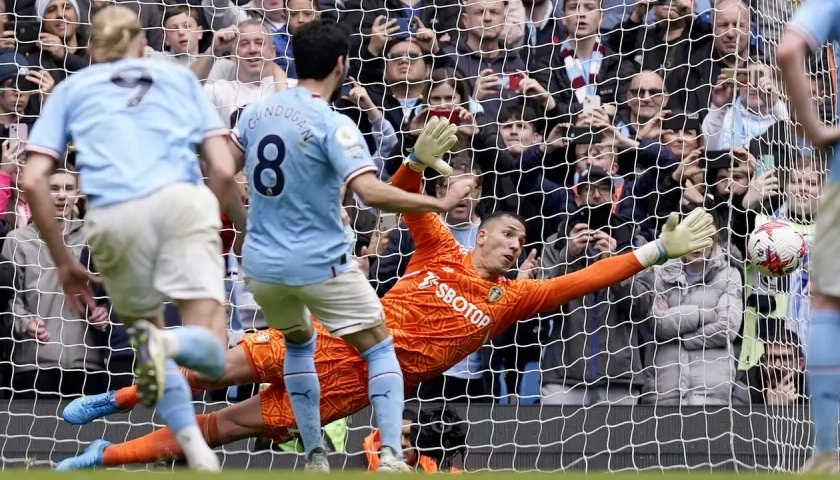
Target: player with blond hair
(448, 303)
(152, 223)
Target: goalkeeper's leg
(238, 371)
(238, 421)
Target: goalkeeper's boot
(389, 463)
(82, 411)
(821, 463)
(317, 462)
(149, 369)
(90, 458)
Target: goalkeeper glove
(437, 137)
(677, 239)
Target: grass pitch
(43, 474)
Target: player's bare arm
(35, 186)
(220, 161)
(376, 193)
(795, 48)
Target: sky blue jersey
(135, 124)
(818, 21)
(298, 153)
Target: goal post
(697, 364)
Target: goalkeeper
(449, 302)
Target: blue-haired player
(152, 224)
(298, 152)
(816, 23)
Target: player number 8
(269, 161)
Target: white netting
(634, 365)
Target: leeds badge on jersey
(346, 135)
(495, 294)
(262, 338)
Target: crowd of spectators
(593, 119)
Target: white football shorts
(344, 305)
(165, 246)
(824, 256)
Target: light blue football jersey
(135, 124)
(819, 22)
(298, 153)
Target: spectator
(56, 350)
(803, 188)
(738, 193)
(543, 30)
(779, 379)
(61, 48)
(647, 102)
(756, 108)
(181, 45)
(480, 54)
(593, 352)
(731, 48)
(270, 14)
(384, 137)
(397, 81)
(149, 14)
(19, 84)
(676, 34)
(441, 16)
(299, 13)
(256, 75)
(697, 314)
(583, 66)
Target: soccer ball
(776, 248)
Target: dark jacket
(613, 80)
(470, 63)
(442, 16)
(596, 337)
(646, 47)
(700, 74)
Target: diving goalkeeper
(446, 306)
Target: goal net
(592, 119)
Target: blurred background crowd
(593, 119)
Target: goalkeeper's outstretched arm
(677, 239)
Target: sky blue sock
(304, 389)
(823, 377)
(175, 408)
(200, 351)
(387, 392)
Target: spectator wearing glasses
(593, 352)
(779, 379)
(396, 74)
